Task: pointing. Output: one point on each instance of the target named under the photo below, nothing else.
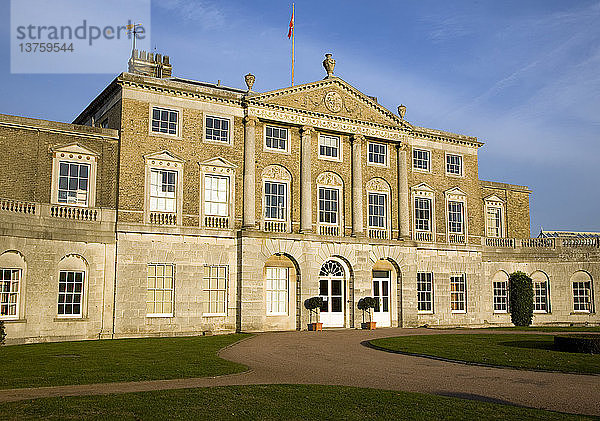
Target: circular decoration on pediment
(333, 102)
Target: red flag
(291, 25)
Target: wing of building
(177, 207)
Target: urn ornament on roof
(402, 111)
(329, 65)
(249, 78)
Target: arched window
(12, 272)
(72, 282)
(582, 292)
(500, 289)
(541, 295)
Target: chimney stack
(149, 64)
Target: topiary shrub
(313, 304)
(2, 332)
(366, 304)
(521, 299)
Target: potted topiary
(314, 304)
(2, 332)
(366, 304)
(521, 299)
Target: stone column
(249, 172)
(306, 180)
(357, 185)
(403, 209)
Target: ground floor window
(277, 290)
(458, 292)
(70, 293)
(10, 280)
(215, 288)
(161, 279)
(500, 296)
(582, 293)
(540, 297)
(425, 292)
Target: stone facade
(162, 251)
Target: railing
(540, 243)
(456, 238)
(276, 226)
(16, 206)
(537, 243)
(73, 212)
(500, 242)
(219, 222)
(163, 218)
(423, 236)
(580, 242)
(332, 230)
(378, 233)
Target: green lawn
(548, 329)
(271, 402)
(525, 351)
(64, 363)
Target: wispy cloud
(204, 13)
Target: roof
(568, 234)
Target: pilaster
(357, 186)
(306, 180)
(250, 171)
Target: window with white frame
(70, 293)
(377, 153)
(421, 159)
(329, 147)
(216, 197)
(215, 289)
(582, 292)
(328, 205)
(73, 183)
(540, 293)
(422, 214)
(163, 190)
(377, 210)
(455, 217)
(164, 120)
(276, 138)
(493, 221)
(217, 129)
(500, 293)
(454, 164)
(425, 292)
(458, 293)
(161, 287)
(10, 283)
(277, 290)
(275, 200)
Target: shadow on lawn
(531, 344)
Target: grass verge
(66, 363)
(271, 402)
(523, 351)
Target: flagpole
(293, 41)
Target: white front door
(331, 289)
(381, 293)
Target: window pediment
(218, 162)
(493, 199)
(276, 172)
(74, 149)
(164, 155)
(423, 187)
(329, 178)
(455, 194)
(378, 184)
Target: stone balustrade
(378, 234)
(56, 211)
(540, 243)
(275, 226)
(163, 218)
(423, 236)
(329, 230)
(219, 222)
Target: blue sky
(522, 76)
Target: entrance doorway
(331, 289)
(381, 293)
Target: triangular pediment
(332, 96)
(73, 148)
(493, 198)
(164, 156)
(424, 187)
(218, 162)
(456, 191)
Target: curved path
(336, 357)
